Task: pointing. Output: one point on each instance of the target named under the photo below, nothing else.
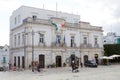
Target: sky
(104, 13)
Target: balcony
(85, 45)
(54, 44)
(96, 46)
(73, 46)
(41, 45)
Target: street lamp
(33, 51)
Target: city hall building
(51, 37)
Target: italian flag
(57, 26)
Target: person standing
(73, 65)
(81, 64)
(38, 67)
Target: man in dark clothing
(73, 65)
(81, 64)
(38, 67)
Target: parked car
(90, 64)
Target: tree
(110, 49)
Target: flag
(62, 25)
(56, 39)
(57, 26)
(64, 39)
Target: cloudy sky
(105, 13)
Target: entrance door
(18, 61)
(42, 61)
(58, 61)
(85, 58)
(72, 58)
(23, 62)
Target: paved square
(110, 72)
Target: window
(5, 49)
(18, 61)
(15, 40)
(104, 40)
(18, 18)
(4, 59)
(18, 39)
(34, 17)
(41, 40)
(14, 60)
(58, 39)
(95, 41)
(72, 41)
(15, 20)
(22, 38)
(85, 41)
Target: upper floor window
(85, 40)
(34, 17)
(72, 41)
(4, 59)
(41, 40)
(15, 40)
(18, 39)
(58, 39)
(5, 49)
(96, 41)
(18, 18)
(23, 38)
(15, 20)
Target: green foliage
(110, 49)
(64, 64)
(54, 65)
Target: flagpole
(56, 9)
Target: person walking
(81, 64)
(38, 67)
(73, 65)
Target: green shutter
(4, 59)
(118, 41)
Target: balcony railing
(74, 46)
(96, 46)
(85, 45)
(42, 45)
(54, 44)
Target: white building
(111, 38)
(4, 56)
(58, 38)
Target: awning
(105, 57)
(113, 56)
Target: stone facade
(39, 35)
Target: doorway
(58, 61)
(23, 62)
(85, 58)
(42, 61)
(72, 58)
